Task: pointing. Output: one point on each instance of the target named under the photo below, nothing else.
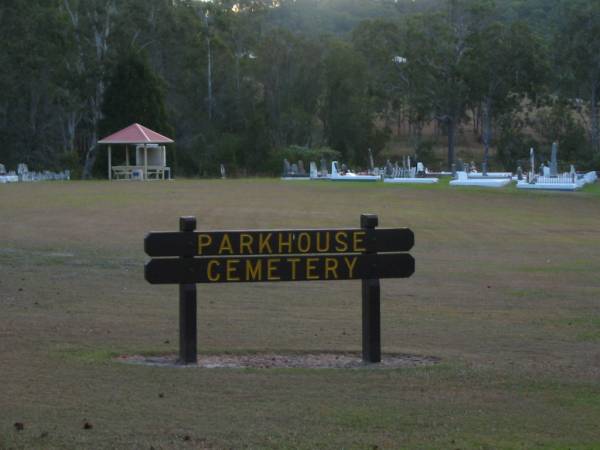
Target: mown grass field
(506, 293)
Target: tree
(513, 142)
(289, 69)
(134, 93)
(347, 110)
(91, 23)
(380, 43)
(578, 59)
(259, 75)
(32, 34)
(557, 122)
(435, 61)
(503, 64)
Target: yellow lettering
(271, 267)
(342, 239)
(320, 246)
(246, 243)
(350, 263)
(303, 247)
(231, 269)
(331, 265)
(204, 240)
(294, 261)
(253, 273)
(209, 271)
(263, 243)
(226, 245)
(310, 268)
(283, 243)
(359, 237)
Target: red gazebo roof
(136, 134)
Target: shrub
(513, 142)
(558, 123)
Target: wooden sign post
(187, 306)
(367, 253)
(371, 315)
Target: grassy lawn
(505, 292)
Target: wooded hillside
(242, 82)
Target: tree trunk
(486, 117)
(238, 89)
(101, 28)
(416, 134)
(451, 124)
(96, 116)
(594, 138)
(209, 68)
(90, 156)
(476, 111)
(70, 121)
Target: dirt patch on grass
(290, 361)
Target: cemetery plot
(24, 175)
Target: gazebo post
(127, 155)
(109, 163)
(145, 162)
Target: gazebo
(150, 154)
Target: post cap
(187, 223)
(369, 220)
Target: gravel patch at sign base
(277, 361)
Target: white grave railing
(560, 179)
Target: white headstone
(313, 170)
(532, 160)
(22, 169)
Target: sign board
(278, 242)
(368, 253)
(280, 268)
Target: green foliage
(225, 150)
(435, 71)
(32, 36)
(513, 142)
(70, 160)
(238, 83)
(347, 111)
(577, 53)
(288, 67)
(134, 94)
(425, 153)
(558, 123)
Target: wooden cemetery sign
(188, 257)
